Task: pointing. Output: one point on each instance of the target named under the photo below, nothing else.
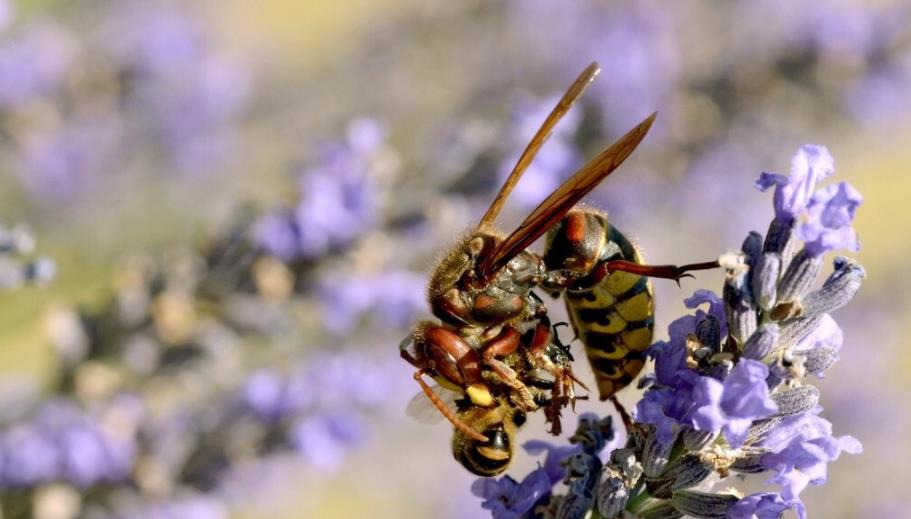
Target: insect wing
(566, 102)
(555, 206)
(422, 410)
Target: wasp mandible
(495, 339)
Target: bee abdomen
(615, 321)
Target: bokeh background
(243, 200)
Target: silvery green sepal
(778, 239)
(702, 504)
(794, 331)
(765, 280)
(708, 332)
(613, 494)
(661, 510)
(760, 427)
(762, 342)
(655, 455)
(695, 440)
(738, 299)
(796, 400)
(837, 290)
(799, 277)
(749, 461)
(819, 359)
(687, 472)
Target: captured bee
(487, 448)
(495, 337)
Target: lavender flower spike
(728, 393)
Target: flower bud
(695, 440)
(762, 342)
(819, 359)
(765, 280)
(749, 460)
(738, 301)
(613, 495)
(799, 276)
(655, 455)
(796, 400)
(686, 472)
(837, 290)
(661, 510)
(701, 504)
(796, 330)
(779, 238)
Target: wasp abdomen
(614, 317)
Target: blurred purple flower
(554, 162)
(391, 298)
(65, 161)
(189, 92)
(732, 406)
(6, 14)
(323, 440)
(338, 199)
(802, 446)
(321, 383)
(33, 62)
(764, 506)
(157, 40)
(634, 41)
(829, 215)
(883, 95)
(184, 506)
(269, 396)
(61, 442)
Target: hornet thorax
(460, 297)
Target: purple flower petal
(827, 334)
(802, 447)
(764, 506)
(734, 405)
(556, 455)
(792, 193)
(828, 225)
(716, 307)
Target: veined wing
(555, 206)
(566, 102)
(422, 410)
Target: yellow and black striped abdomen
(614, 319)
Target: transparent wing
(422, 410)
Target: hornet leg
(453, 419)
(673, 272)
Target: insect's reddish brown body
(494, 345)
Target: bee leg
(553, 410)
(453, 419)
(511, 379)
(674, 272)
(507, 342)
